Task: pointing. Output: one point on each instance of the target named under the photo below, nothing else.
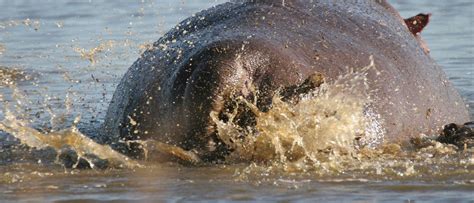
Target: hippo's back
(171, 89)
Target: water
(66, 57)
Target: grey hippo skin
(169, 92)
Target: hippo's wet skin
(235, 48)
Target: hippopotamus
(237, 47)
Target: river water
(61, 60)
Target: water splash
(337, 117)
(91, 54)
(35, 24)
(10, 76)
(68, 139)
(2, 49)
(65, 141)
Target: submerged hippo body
(169, 92)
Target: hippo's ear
(416, 23)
